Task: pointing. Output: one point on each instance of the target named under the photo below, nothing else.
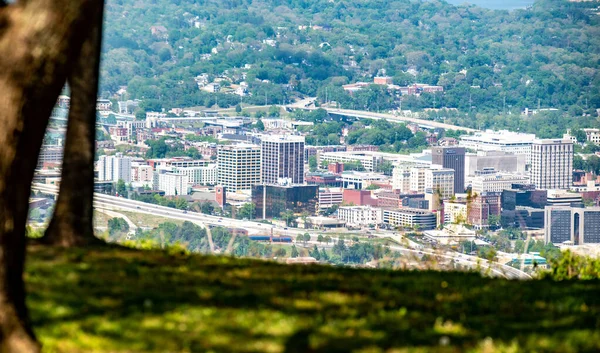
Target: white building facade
(114, 168)
(552, 164)
(282, 157)
(199, 175)
(496, 182)
(440, 180)
(360, 215)
(238, 166)
(173, 184)
(503, 140)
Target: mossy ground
(119, 300)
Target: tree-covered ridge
(547, 55)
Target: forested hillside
(487, 60)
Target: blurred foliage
(568, 265)
(121, 300)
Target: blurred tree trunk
(72, 222)
(39, 40)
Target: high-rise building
(238, 166)
(552, 164)
(282, 157)
(453, 158)
(572, 224)
(114, 168)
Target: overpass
(113, 203)
(359, 114)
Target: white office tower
(282, 157)
(238, 166)
(440, 181)
(173, 184)
(114, 168)
(552, 164)
(401, 179)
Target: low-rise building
(455, 212)
(563, 198)
(408, 217)
(496, 182)
(329, 197)
(273, 200)
(369, 161)
(361, 215)
(360, 180)
(173, 184)
(206, 175)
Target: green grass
(118, 300)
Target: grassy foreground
(115, 300)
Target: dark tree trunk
(72, 222)
(39, 40)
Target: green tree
(116, 225)
(312, 163)
(579, 135)
(260, 126)
(493, 220)
(207, 207)
(294, 251)
(305, 238)
(181, 203)
(320, 238)
(288, 216)
(280, 252)
(386, 167)
(121, 188)
(315, 253)
(238, 108)
(246, 211)
(274, 111)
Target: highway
(360, 114)
(113, 203)
(396, 118)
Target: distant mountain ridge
(548, 55)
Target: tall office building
(552, 164)
(440, 181)
(282, 157)
(238, 166)
(114, 168)
(453, 158)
